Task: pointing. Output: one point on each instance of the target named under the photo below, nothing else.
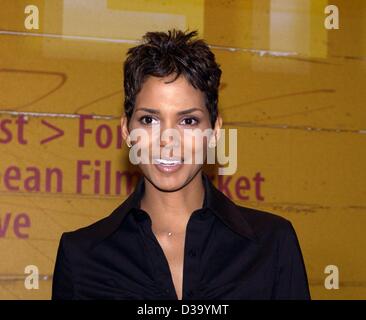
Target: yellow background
(294, 90)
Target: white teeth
(167, 162)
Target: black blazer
(231, 252)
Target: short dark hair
(175, 52)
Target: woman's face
(179, 106)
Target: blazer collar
(225, 209)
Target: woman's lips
(167, 166)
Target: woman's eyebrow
(155, 111)
(189, 111)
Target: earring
(212, 143)
(128, 142)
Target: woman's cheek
(194, 149)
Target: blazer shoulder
(90, 234)
(265, 223)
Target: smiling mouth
(167, 162)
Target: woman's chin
(168, 181)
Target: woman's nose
(171, 140)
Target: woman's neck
(170, 211)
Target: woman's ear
(124, 130)
(216, 132)
(218, 125)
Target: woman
(176, 236)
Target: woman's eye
(147, 120)
(190, 121)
